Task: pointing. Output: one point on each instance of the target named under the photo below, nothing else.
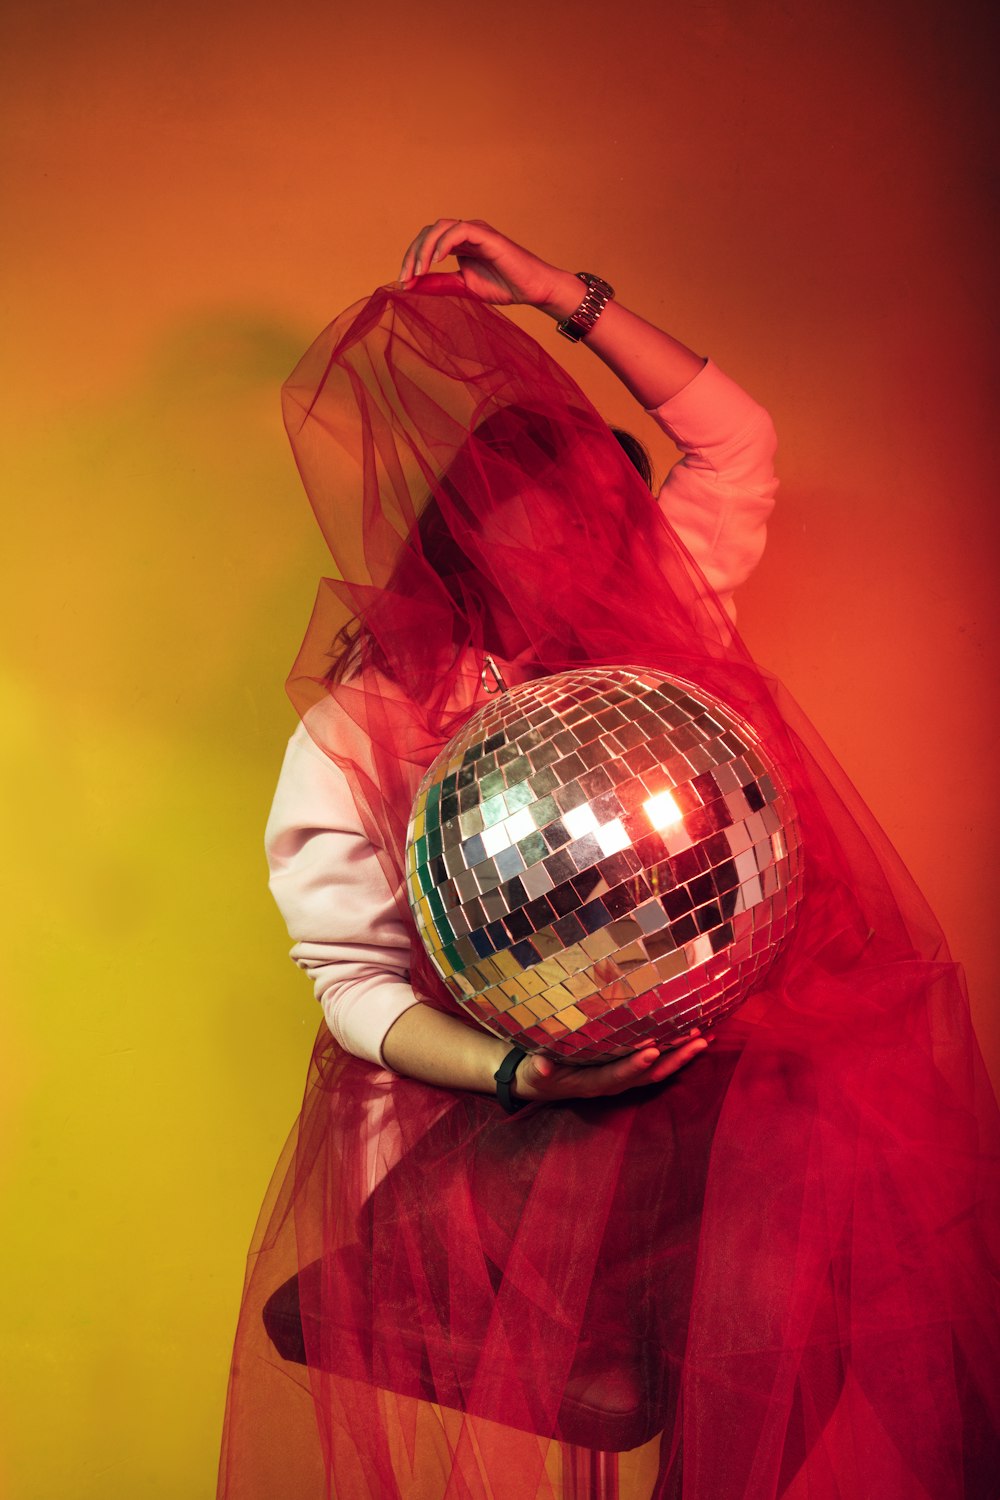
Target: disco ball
(602, 858)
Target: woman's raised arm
(652, 364)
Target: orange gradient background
(799, 190)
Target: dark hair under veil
(513, 432)
(786, 1249)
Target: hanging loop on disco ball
(602, 858)
(491, 678)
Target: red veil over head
(770, 1274)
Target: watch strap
(598, 294)
(504, 1077)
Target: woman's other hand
(493, 267)
(539, 1078)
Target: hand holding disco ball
(602, 859)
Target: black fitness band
(504, 1077)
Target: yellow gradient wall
(192, 192)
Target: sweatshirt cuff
(361, 1014)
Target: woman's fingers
(427, 253)
(492, 267)
(624, 1072)
(471, 239)
(412, 253)
(461, 235)
(544, 1079)
(425, 249)
(455, 232)
(672, 1061)
(648, 1065)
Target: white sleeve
(336, 901)
(719, 495)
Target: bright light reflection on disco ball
(602, 858)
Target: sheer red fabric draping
(773, 1274)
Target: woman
(688, 1273)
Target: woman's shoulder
(368, 712)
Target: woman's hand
(540, 1078)
(653, 364)
(439, 1048)
(491, 266)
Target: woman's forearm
(427, 1044)
(651, 363)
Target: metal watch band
(599, 293)
(504, 1077)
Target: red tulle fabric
(772, 1275)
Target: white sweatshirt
(325, 874)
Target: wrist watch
(504, 1077)
(599, 293)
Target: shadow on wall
(168, 555)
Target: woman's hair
(432, 543)
(637, 455)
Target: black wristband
(504, 1077)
